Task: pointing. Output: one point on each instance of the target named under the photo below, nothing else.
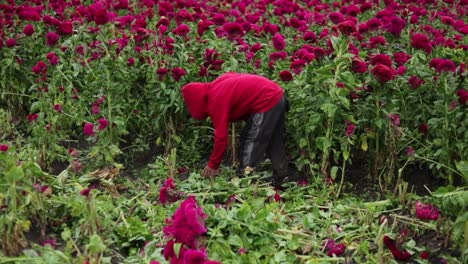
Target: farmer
(240, 96)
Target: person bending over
(241, 96)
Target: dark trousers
(264, 136)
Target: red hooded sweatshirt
(230, 97)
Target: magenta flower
(193, 256)
(401, 58)
(85, 192)
(415, 82)
(130, 62)
(462, 96)
(65, 27)
(396, 26)
(181, 30)
(285, 76)
(177, 73)
(297, 66)
(347, 27)
(233, 30)
(383, 73)
(28, 30)
(187, 223)
(50, 242)
(446, 66)
(382, 59)
(276, 196)
(336, 17)
(410, 151)
(420, 41)
(51, 38)
(88, 129)
(375, 41)
(40, 67)
(426, 211)
(401, 70)
(168, 193)
(161, 72)
(309, 36)
(4, 147)
(101, 16)
(52, 58)
(103, 123)
(397, 254)
(10, 43)
(349, 130)
(333, 248)
(32, 117)
(394, 119)
(278, 41)
(58, 108)
(358, 65)
(423, 128)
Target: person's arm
(221, 126)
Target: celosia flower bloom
(4, 147)
(85, 192)
(349, 130)
(32, 117)
(187, 223)
(168, 193)
(181, 30)
(52, 58)
(88, 129)
(347, 27)
(358, 65)
(383, 73)
(51, 38)
(10, 43)
(382, 59)
(420, 41)
(333, 248)
(278, 41)
(397, 254)
(103, 123)
(40, 67)
(415, 82)
(445, 66)
(462, 96)
(28, 30)
(58, 108)
(233, 30)
(423, 128)
(394, 119)
(400, 58)
(161, 72)
(177, 73)
(285, 75)
(426, 211)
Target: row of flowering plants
(380, 83)
(356, 72)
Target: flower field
(100, 162)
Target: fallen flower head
(426, 211)
(397, 254)
(333, 248)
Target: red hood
(195, 98)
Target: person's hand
(209, 172)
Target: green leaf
(323, 143)
(293, 243)
(95, 245)
(333, 172)
(14, 174)
(66, 234)
(462, 166)
(302, 142)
